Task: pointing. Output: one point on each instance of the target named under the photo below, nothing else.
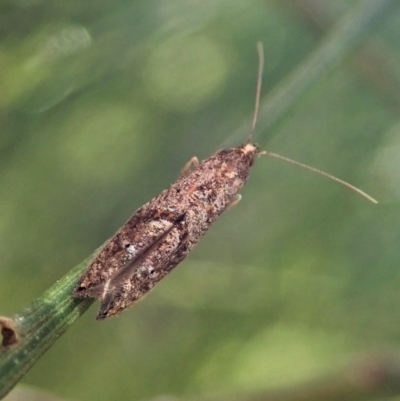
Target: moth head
(251, 151)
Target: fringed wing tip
(106, 308)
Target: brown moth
(162, 233)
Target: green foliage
(102, 103)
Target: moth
(160, 234)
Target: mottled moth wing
(128, 264)
(138, 272)
(143, 271)
(164, 231)
(134, 264)
(136, 258)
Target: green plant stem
(39, 326)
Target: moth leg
(193, 162)
(234, 202)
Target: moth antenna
(315, 170)
(260, 51)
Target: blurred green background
(102, 103)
